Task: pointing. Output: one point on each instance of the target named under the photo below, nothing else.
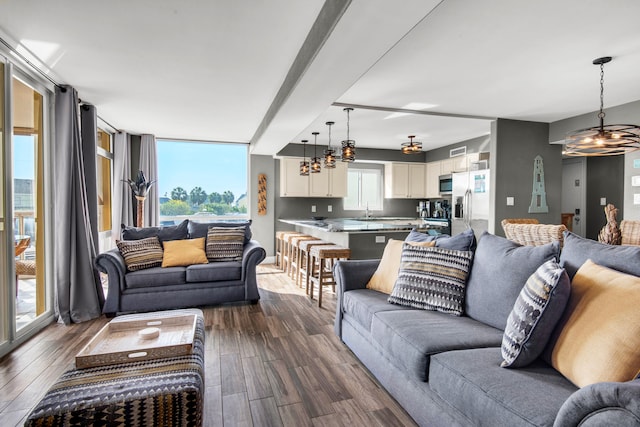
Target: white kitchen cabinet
(404, 180)
(291, 183)
(446, 166)
(433, 172)
(329, 182)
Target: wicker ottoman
(160, 392)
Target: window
(364, 188)
(202, 180)
(105, 157)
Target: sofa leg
(110, 315)
(254, 301)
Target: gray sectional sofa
(159, 288)
(445, 370)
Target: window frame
(359, 170)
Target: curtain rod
(46, 76)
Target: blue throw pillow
(536, 312)
(416, 236)
(500, 267)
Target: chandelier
(304, 164)
(329, 153)
(315, 160)
(348, 145)
(603, 140)
(411, 147)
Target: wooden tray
(119, 341)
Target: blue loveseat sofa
(445, 370)
(159, 288)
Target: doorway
(574, 190)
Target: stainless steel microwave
(445, 185)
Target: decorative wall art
(262, 194)
(539, 194)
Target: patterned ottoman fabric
(160, 392)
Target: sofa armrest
(608, 403)
(252, 255)
(350, 275)
(112, 263)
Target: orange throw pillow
(182, 253)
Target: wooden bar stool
(322, 260)
(287, 250)
(280, 239)
(304, 261)
(295, 251)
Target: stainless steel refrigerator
(470, 201)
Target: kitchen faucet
(367, 214)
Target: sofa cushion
(577, 250)
(410, 337)
(225, 243)
(500, 269)
(141, 254)
(384, 278)
(465, 241)
(598, 337)
(362, 304)
(215, 272)
(157, 276)
(473, 383)
(184, 253)
(432, 279)
(171, 232)
(536, 312)
(200, 229)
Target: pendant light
(329, 153)
(348, 145)
(411, 147)
(603, 140)
(304, 164)
(315, 160)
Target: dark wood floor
(271, 364)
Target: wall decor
(262, 194)
(539, 194)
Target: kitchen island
(366, 237)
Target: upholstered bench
(159, 392)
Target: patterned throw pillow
(432, 278)
(225, 243)
(141, 254)
(535, 313)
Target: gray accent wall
(262, 226)
(366, 154)
(605, 176)
(476, 145)
(514, 145)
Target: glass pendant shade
(602, 140)
(304, 164)
(316, 165)
(411, 147)
(348, 145)
(329, 153)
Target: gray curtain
(122, 209)
(149, 165)
(78, 293)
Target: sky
(213, 167)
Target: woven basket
(630, 231)
(520, 221)
(534, 234)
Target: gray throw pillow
(416, 236)
(201, 229)
(432, 278)
(500, 268)
(577, 250)
(171, 232)
(538, 308)
(465, 241)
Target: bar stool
(304, 261)
(280, 239)
(322, 260)
(294, 254)
(286, 250)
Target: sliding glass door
(24, 292)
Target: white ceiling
(211, 70)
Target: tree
(197, 196)
(215, 197)
(175, 207)
(179, 193)
(228, 197)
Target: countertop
(362, 224)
